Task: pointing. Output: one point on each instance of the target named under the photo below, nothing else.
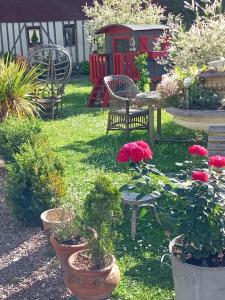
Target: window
(34, 36)
(122, 45)
(69, 35)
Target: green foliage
(35, 181)
(84, 68)
(34, 38)
(17, 82)
(101, 13)
(141, 62)
(102, 210)
(14, 133)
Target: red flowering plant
(138, 154)
(199, 211)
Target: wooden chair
(125, 112)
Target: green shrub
(102, 210)
(84, 68)
(17, 82)
(35, 181)
(14, 133)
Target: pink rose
(217, 161)
(198, 150)
(200, 176)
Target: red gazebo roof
(42, 10)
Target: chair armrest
(118, 98)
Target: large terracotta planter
(92, 285)
(197, 119)
(55, 217)
(197, 283)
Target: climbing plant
(141, 62)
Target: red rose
(142, 144)
(200, 175)
(136, 154)
(198, 150)
(123, 155)
(217, 161)
(135, 151)
(148, 154)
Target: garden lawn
(79, 136)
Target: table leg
(159, 120)
(151, 125)
(134, 222)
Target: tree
(34, 38)
(120, 12)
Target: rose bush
(195, 209)
(198, 211)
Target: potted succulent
(94, 272)
(192, 104)
(198, 251)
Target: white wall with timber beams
(13, 37)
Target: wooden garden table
(153, 101)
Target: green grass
(80, 139)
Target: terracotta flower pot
(92, 284)
(63, 252)
(55, 216)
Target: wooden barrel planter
(197, 119)
(213, 80)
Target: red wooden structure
(123, 44)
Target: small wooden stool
(131, 199)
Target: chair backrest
(55, 63)
(120, 85)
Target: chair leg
(108, 125)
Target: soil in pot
(88, 282)
(212, 261)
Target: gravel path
(28, 268)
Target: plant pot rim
(194, 112)
(90, 272)
(57, 244)
(211, 74)
(189, 265)
(43, 215)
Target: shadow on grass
(102, 151)
(148, 247)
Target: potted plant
(192, 104)
(94, 272)
(213, 76)
(198, 251)
(69, 236)
(191, 52)
(54, 217)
